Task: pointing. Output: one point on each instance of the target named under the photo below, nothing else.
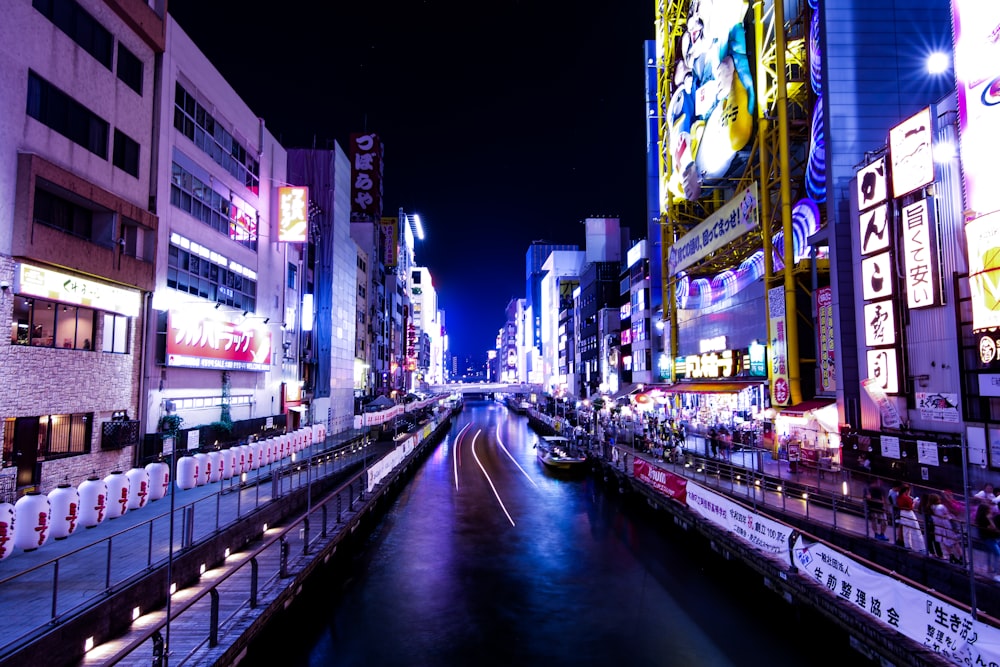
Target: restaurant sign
(197, 341)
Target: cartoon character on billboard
(712, 108)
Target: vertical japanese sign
(780, 387)
(920, 265)
(293, 214)
(877, 284)
(910, 152)
(389, 241)
(977, 70)
(366, 177)
(827, 354)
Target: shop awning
(296, 408)
(800, 409)
(714, 386)
(625, 390)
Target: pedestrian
(990, 536)
(897, 527)
(913, 538)
(713, 441)
(875, 506)
(931, 525)
(946, 530)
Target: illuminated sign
(874, 230)
(208, 341)
(709, 365)
(911, 155)
(880, 323)
(388, 237)
(920, 267)
(366, 177)
(827, 342)
(983, 237)
(781, 390)
(882, 370)
(66, 288)
(242, 220)
(712, 106)
(977, 71)
(872, 184)
(712, 344)
(876, 276)
(293, 214)
(737, 217)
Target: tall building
(78, 236)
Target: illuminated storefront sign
(977, 71)
(781, 390)
(719, 364)
(910, 153)
(66, 288)
(293, 214)
(879, 323)
(920, 267)
(388, 237)
(205, 341)
(872, 184)
(874, 230)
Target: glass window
(115, 335)
(129, 69)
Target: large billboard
(366, 177)
(293, 214)
(711, 111)
(977, 71)
(205, 341)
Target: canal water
(486, 558)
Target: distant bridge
(484, 388)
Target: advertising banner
(388, 241)
(671, 485)
(195, 341)
(890, 416)
(936, 624)
(737, 217)
(764, 533)
(780, 388)
(983, 238)
(827, 344)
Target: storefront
(808, 433)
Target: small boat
(558, 453)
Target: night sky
(503, 122)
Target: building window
(196, 275)
(80, 26)
(198, 199)
(195, 122)
(129, 69)
(293, 272)
(41, 323)
(125, 154)
(115, 338)
(57, 110)
(59, 435)
(137, 241)
(60, 209)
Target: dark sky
(503, 122)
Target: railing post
(283, 568)
(254, 574)
(213, 628)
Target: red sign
(366, 177)
(671, 485)
(197, 341)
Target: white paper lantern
(204, 470)
(255, 449)
(93, 502)
(64, 504)
(187, 473)
(138, 488)
(118, 489)
(215, 463)
(240, 466)
(159, 479)
(31, 521)
(228, 463)
(7, 516)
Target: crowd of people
(933, 523)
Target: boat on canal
(557, 452)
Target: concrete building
(78, 236)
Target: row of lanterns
(35, 517)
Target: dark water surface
(487, 559)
